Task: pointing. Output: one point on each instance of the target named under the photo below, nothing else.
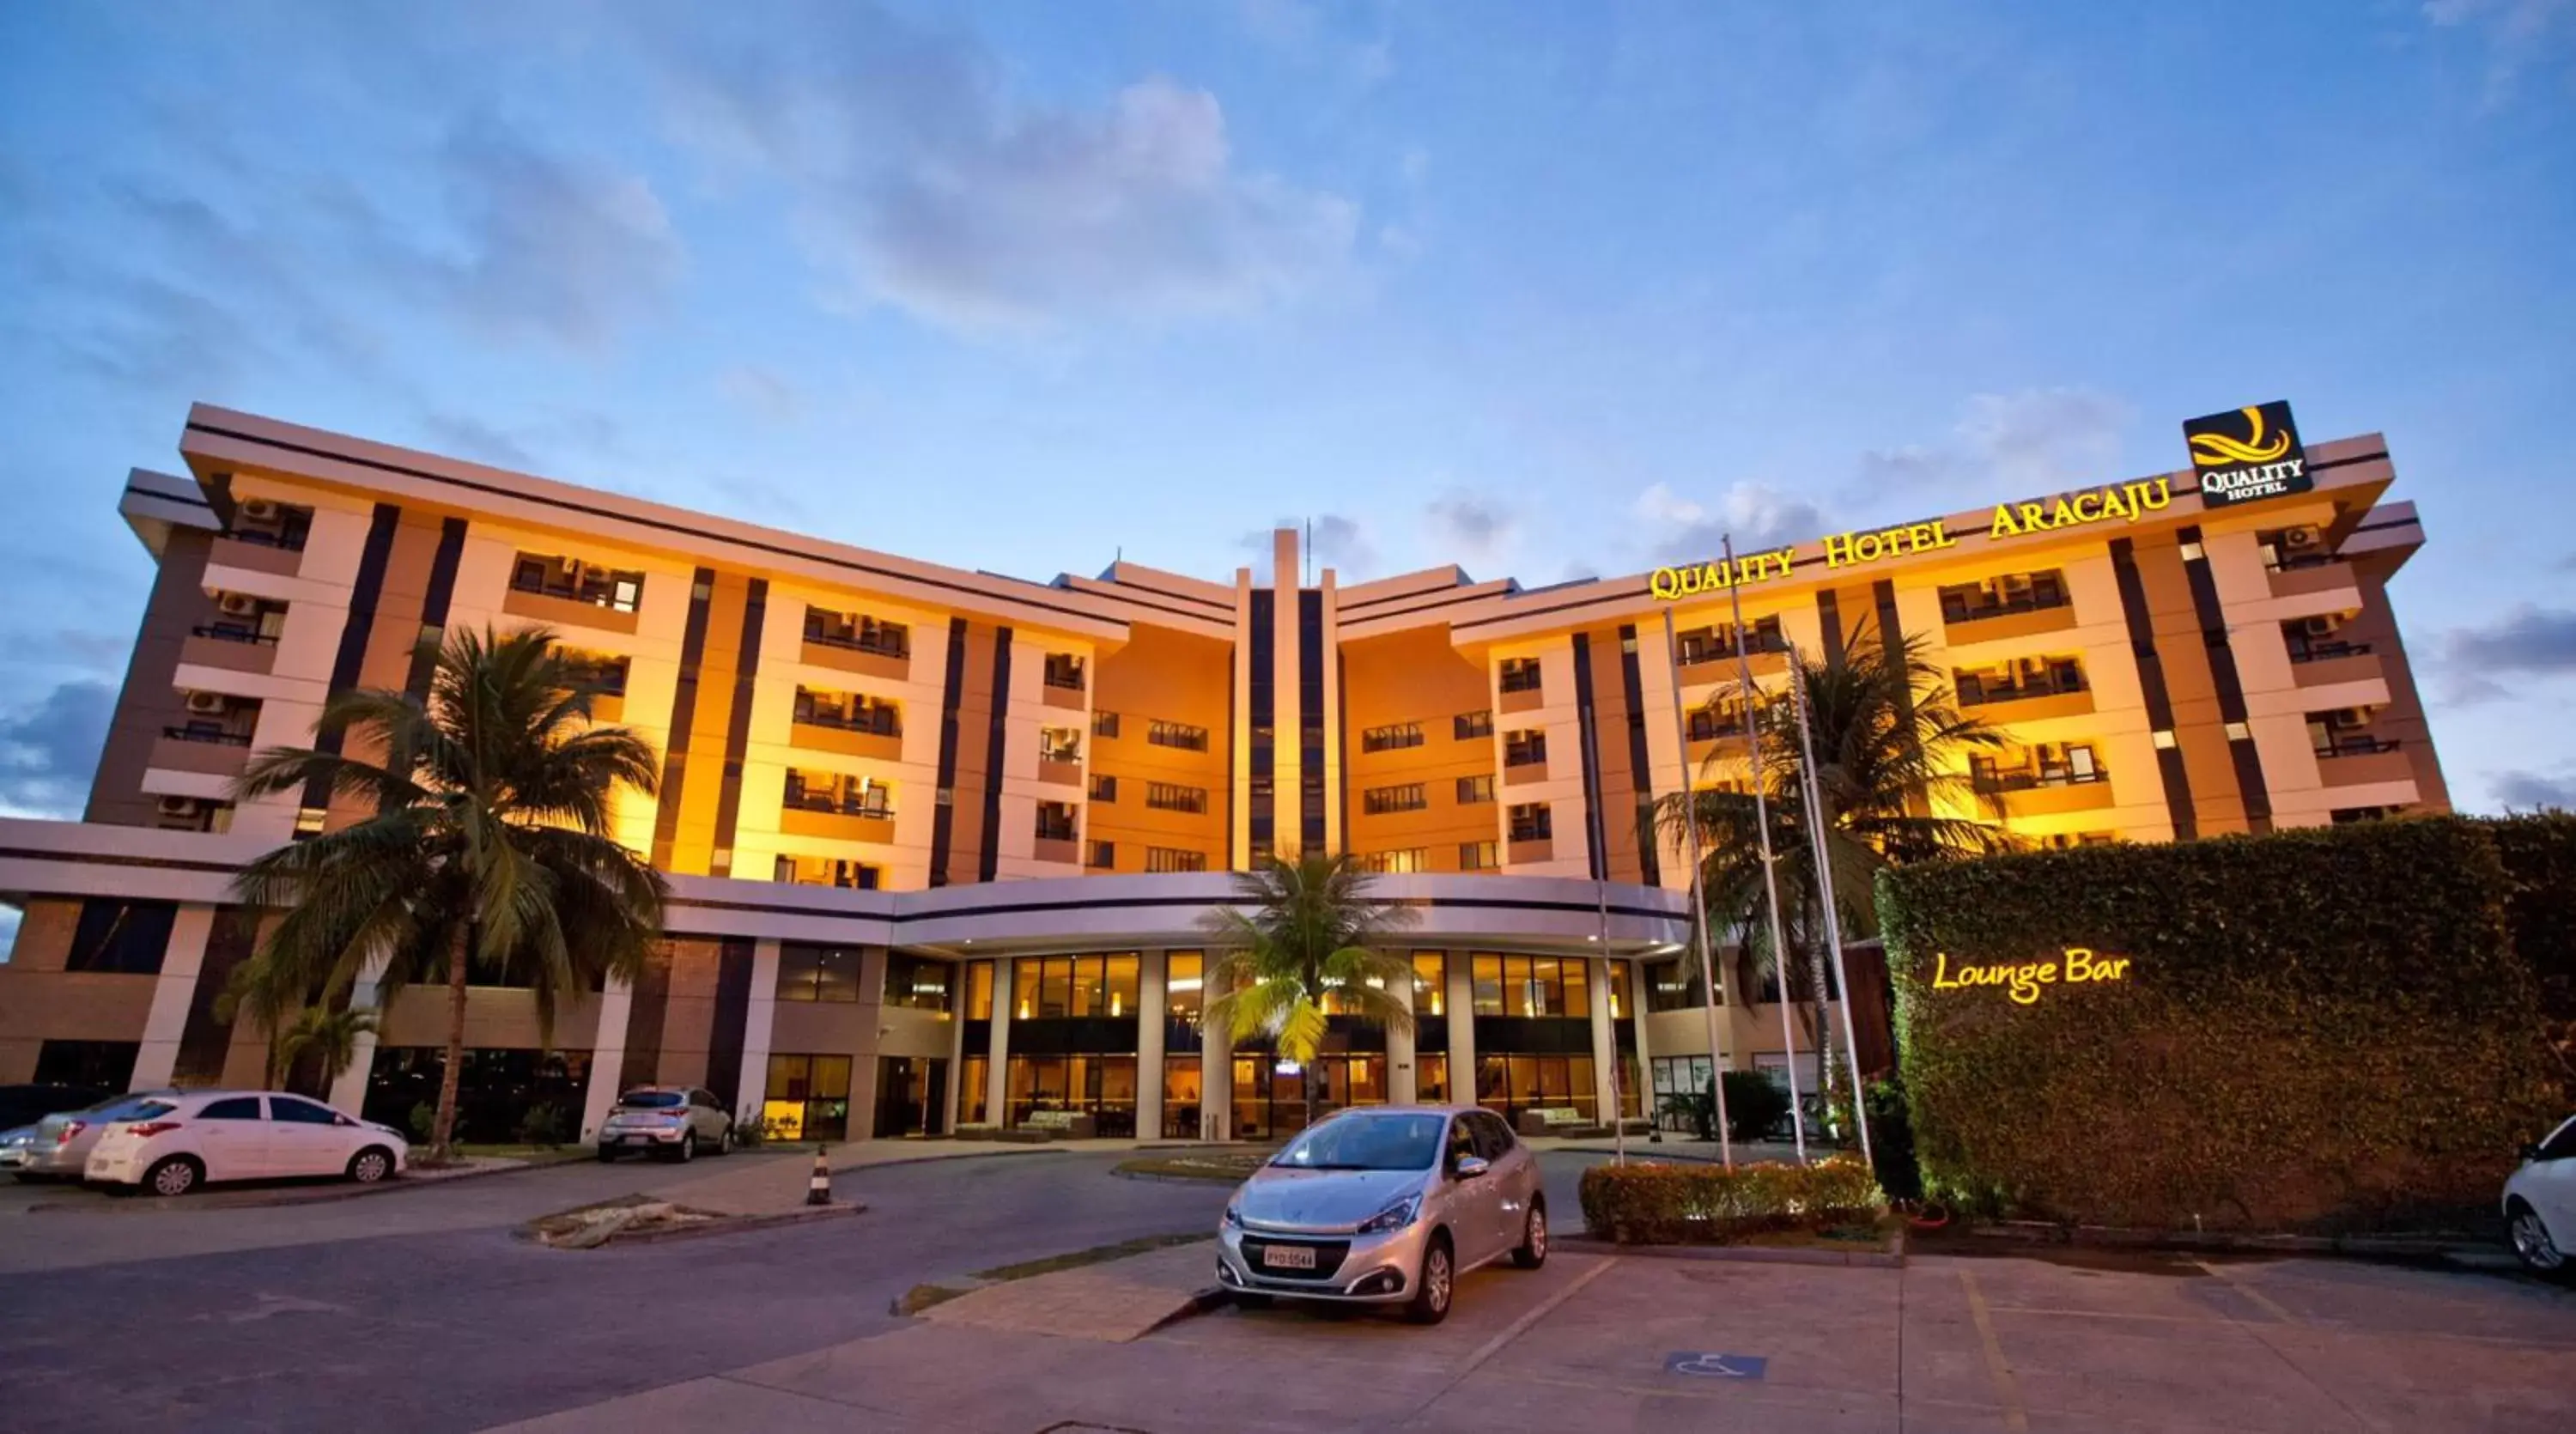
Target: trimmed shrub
(1711, 1205)
(2539, 855)
(2317, 1030)
(543, 1124)
(1755, 1105)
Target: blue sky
(1545, 290)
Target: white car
(2540, 1204)
(172, 1144)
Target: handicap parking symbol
(1716, 1366)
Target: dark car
(27, 1104)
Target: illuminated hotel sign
(2021, 980)
(2247, 453)
(2126, 502)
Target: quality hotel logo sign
(2247, 453)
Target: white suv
(172, 1144)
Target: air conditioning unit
(258, 510)
(2317, 626)
(181, 808)
(237, 605)
(572, 567)
(2296, 538)
(211, 704)
(2347, 718)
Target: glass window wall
(808, 1098)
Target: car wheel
(371, 1165)
(2532, 1245)
(173, 1176)
(1533, 1248)
(688, 1146)
(607, 1155)
(1432, 1292)
(724, 1142)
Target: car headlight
(1393, 1217)
(1233, 1216)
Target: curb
(862, 1168)
(744, 1224)
(214, 1201)
(1178, 1179)
(1199, 1303)
(1891, 1258)
(2114, 1237)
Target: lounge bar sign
(2022, 980)
(2247, 453)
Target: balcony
(1060, 760)
(207, 747)
(1058, 835)
(230, 647)
(1535, 849)
(2359, 759)
(2300, 576)
(2045, 791)
(1061, 682)
(2001, 622)
(869, 732)
(260, 552)
(2035, 696)
(572, 605)
(2325, 664)
(853, 813)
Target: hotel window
(1184, 977)
(917, 983)
(1480, 856)
(2044, 764)
(1520, 674)
(1709, 644)
(2314, 639)
(1620, 1010)
(597, 673)
(266, 523)
(1675, 985)
(1170, 797)
(124, 937)
(2345, 732)
(1525, 748)
(2009, 593)
(859, 631)
(1392, 737)
(840, 793)
(557, 576)
(2021, 677)
(1378, 801)
(1104, 724)
(1055, 821)
(1721, 716)
(1101, 855)
(1065, 987)
(1430, 983)
(1472, 726)
(1510, 1084)
(825, 871)
(1472, 790)
(811, 971)
(807, 1098)
(847, 711)
(1171, 859)
(1431, 1078)
(1059, 744)
(972, 1092)
(2285, 549)
(1396, 863)
(2346, 816)
(979, 990)
(1180, 735)
(1531, 821)
(1064, 670)
(1531, 987)
(1104, 787)
(2068, 841)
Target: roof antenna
(1309, 579)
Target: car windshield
(1366, 1142)
(652, 1099)
(144, 1110)
(119, 1107)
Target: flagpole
(1601, 891)
(1699, 900)
(1762, 825)
(1815, 794)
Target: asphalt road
(418, 1310)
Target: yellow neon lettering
(2114, 506)
(2083, 498)
(2163, 491)
(1666, 584)
(2021, 982)
(2005, 527)
(1782, 558)
(1838, 550)
(2034, 518)
(2063, 516)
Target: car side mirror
(2531, 1152)
(1471, 1166)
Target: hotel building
(941, 841)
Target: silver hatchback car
(673, 1120)
(1385, 1205)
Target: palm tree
(487, 848)
(1889, 746)
(328, 1035)
(1303, 942)
(270, 993)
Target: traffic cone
(818, 1189)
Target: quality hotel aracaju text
(941, 842)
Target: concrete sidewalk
(1113, 1302)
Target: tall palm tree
(330, 1036)
(1305, 934)
(487, 848)
(1890, 747)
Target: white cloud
(1473, 529)
(1753, 515)
(2519, 34)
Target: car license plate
(1287, 1257)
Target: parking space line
(1521, 1326)
(2007, 1389)
(2260, 1300)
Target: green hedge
(2539, 854)
(2318, 1030)
(1654, 1204)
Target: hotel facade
(940, 842)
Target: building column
(997, 1075)
(1645, 1059)
(349, 1087)
(607, 1058)
(1462, 1028)
(1605, 1039)
(864, 1061)
(1402, 1085)
(954, 1095)
(760, 1018)
(1151, 984)
(172, 991)
(1216, 1067)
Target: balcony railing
(1976, 692)
(2321, 651)
(824, 799)
(882, 644)
(2356, 745)
(1959, 610)
(201, 732)
(879, 721)
(2023, 779)
(234, 632)
(1720, 647)
(1055, 829)
(261, 538)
